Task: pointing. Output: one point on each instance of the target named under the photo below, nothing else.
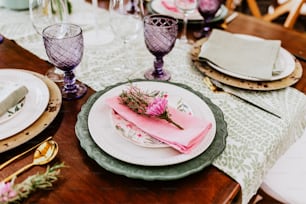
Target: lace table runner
(255, 140)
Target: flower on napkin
(152, 104)
(183, 140)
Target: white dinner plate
(158, 7)
(35, 102)
(285, 60)
(105, 136)
(12, 112)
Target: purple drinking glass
(208, 10)
(64, 46)
(160, 34)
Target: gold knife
(214, 84)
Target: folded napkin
(169, 5)
(184, 140)
(244, 56)
(10, 95)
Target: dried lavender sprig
(37, 181)
(148, 104)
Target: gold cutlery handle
(208, 83)
(23, 153)
(10, 177)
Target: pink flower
(157, 107)
(152, 104)
(6, 191)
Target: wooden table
(84, 181)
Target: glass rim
(146, 19)
(79, 32)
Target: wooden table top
(84, 181)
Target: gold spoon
(23, 153)
(42, 155)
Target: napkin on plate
(169, 5)
(10, 95)
(184, 140)
(244, 56)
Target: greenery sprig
(16, 193)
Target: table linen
(249, 57)
(255, 139)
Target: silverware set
(44, 153)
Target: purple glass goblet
(208, 10)
(160, 34)
(64, 46)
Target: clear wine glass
(64, 46)
(160, 34)
(44, 13)
(208, 10)
(96, 36)
(126, 23)
(186, 7)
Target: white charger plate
(104, 134)
(157, 7)
(35, 102)
(285, 60)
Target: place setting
(245, 61)
(29, 102)
(151, 128)
(169, 7)
(109, 133)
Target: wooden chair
(292, 7)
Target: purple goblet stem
(69, 81)
(206, 28)
(158, 67)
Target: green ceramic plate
(169, 172)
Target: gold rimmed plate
(48, 115)
(36, 101)
(207, 70)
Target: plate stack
(246, 61)
(119, 148)
(33, 113)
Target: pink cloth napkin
(169, 6)
(184, 140)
